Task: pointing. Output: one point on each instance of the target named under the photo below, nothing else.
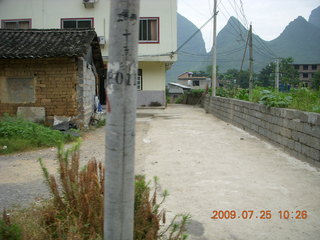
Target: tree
(266, 75)
(316, 80)
(243, 79)
(209, 70)
(288, 74)
(234, 77)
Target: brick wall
(55, 84)
(296, 131)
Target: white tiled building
(158, 32)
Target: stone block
(33, 114)
(314, 118)
(285, 132)
(297, 147)
(290, 114)
(311, 130)
(290, 143)
(311, 152)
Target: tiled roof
(45, 43)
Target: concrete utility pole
(277, 75)
(214, 50)
(250, 63)
(121, 117)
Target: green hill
(315, 17)
(300, 40)
(187, 59)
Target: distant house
(175, 90)
(194, 81)
(306, 72)
(56, 71)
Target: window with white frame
(139, 80)
(149, 30)
(77, 23)
(16, 23)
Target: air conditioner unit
(89, 3)
(102, 40)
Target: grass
(17, 134)
(75, 210)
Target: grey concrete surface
(207, 164)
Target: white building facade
(157, 37)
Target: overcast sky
(268, 17)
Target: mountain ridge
(300, 40)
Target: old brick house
(56, 70)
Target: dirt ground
(207, 165)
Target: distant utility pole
(214, 50)
(250, 63)
(121, 117)
(277, 74)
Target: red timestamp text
(259, 214)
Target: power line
(195, 33)
(232, 24)
(268, 49)
(205, 55)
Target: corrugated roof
(179, 85)
(45, 43)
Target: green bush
(9, 231)
(180, 99)
(273, 99)
(17, 134)
(305, 99)
(222, 92)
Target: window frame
(76, 19)
(139, 79)
(305, 75)
(305, 67)
(158, 31)
(3, 21)
(314, 67)
(196, 83)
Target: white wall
(153, 76)
(47, 14)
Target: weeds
(305, 100)
(8, 230)
(76, 208)
(17, 134)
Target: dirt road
(207, 165)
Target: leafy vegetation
(289, 75)
(17, 134)
(274, 100)
(303, 99)
(316, 81)
(76, 209)
(8, 230)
